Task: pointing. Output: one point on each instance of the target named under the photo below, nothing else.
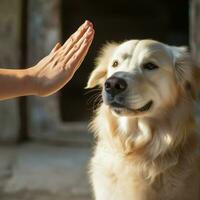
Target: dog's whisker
(94, 94)
(92, 98)
(92, 90)
(97, 101)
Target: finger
(77, 35)
(87, 36)
(90, 23)
(57, 46)
(75, 61)
(64, 56)
(76, 46)
(82, 54)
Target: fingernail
(86, 24)
(58, 44)
(89, 31)
(90, 23)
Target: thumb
(57, 46)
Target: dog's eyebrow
(125, 56)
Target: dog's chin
(122, 110)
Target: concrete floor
(44, 172)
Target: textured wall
(43, 33)
(10, 40)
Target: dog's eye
(115, 63)
(150, 66)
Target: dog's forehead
(139, 51)
(126, 48)
(140, 46)
(151, 46)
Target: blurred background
(45, 145)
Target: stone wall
(43, 33)
(10, 52)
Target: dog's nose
(115, 85)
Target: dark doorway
(162, 20)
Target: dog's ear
(98, 75)
(186, 70)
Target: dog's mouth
(146, 107)
(119, 108)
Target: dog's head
(143, 77)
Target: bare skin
(52, 72)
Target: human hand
(57, 68)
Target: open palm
(57, 68)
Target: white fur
(150, 155)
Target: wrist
(29, 81)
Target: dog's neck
(172, 126)
(151, 139)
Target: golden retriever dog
(145, 128)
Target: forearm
(15, 83)
(52, 72)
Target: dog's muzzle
(114, 89)
(114, 94)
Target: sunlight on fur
(146, 132)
